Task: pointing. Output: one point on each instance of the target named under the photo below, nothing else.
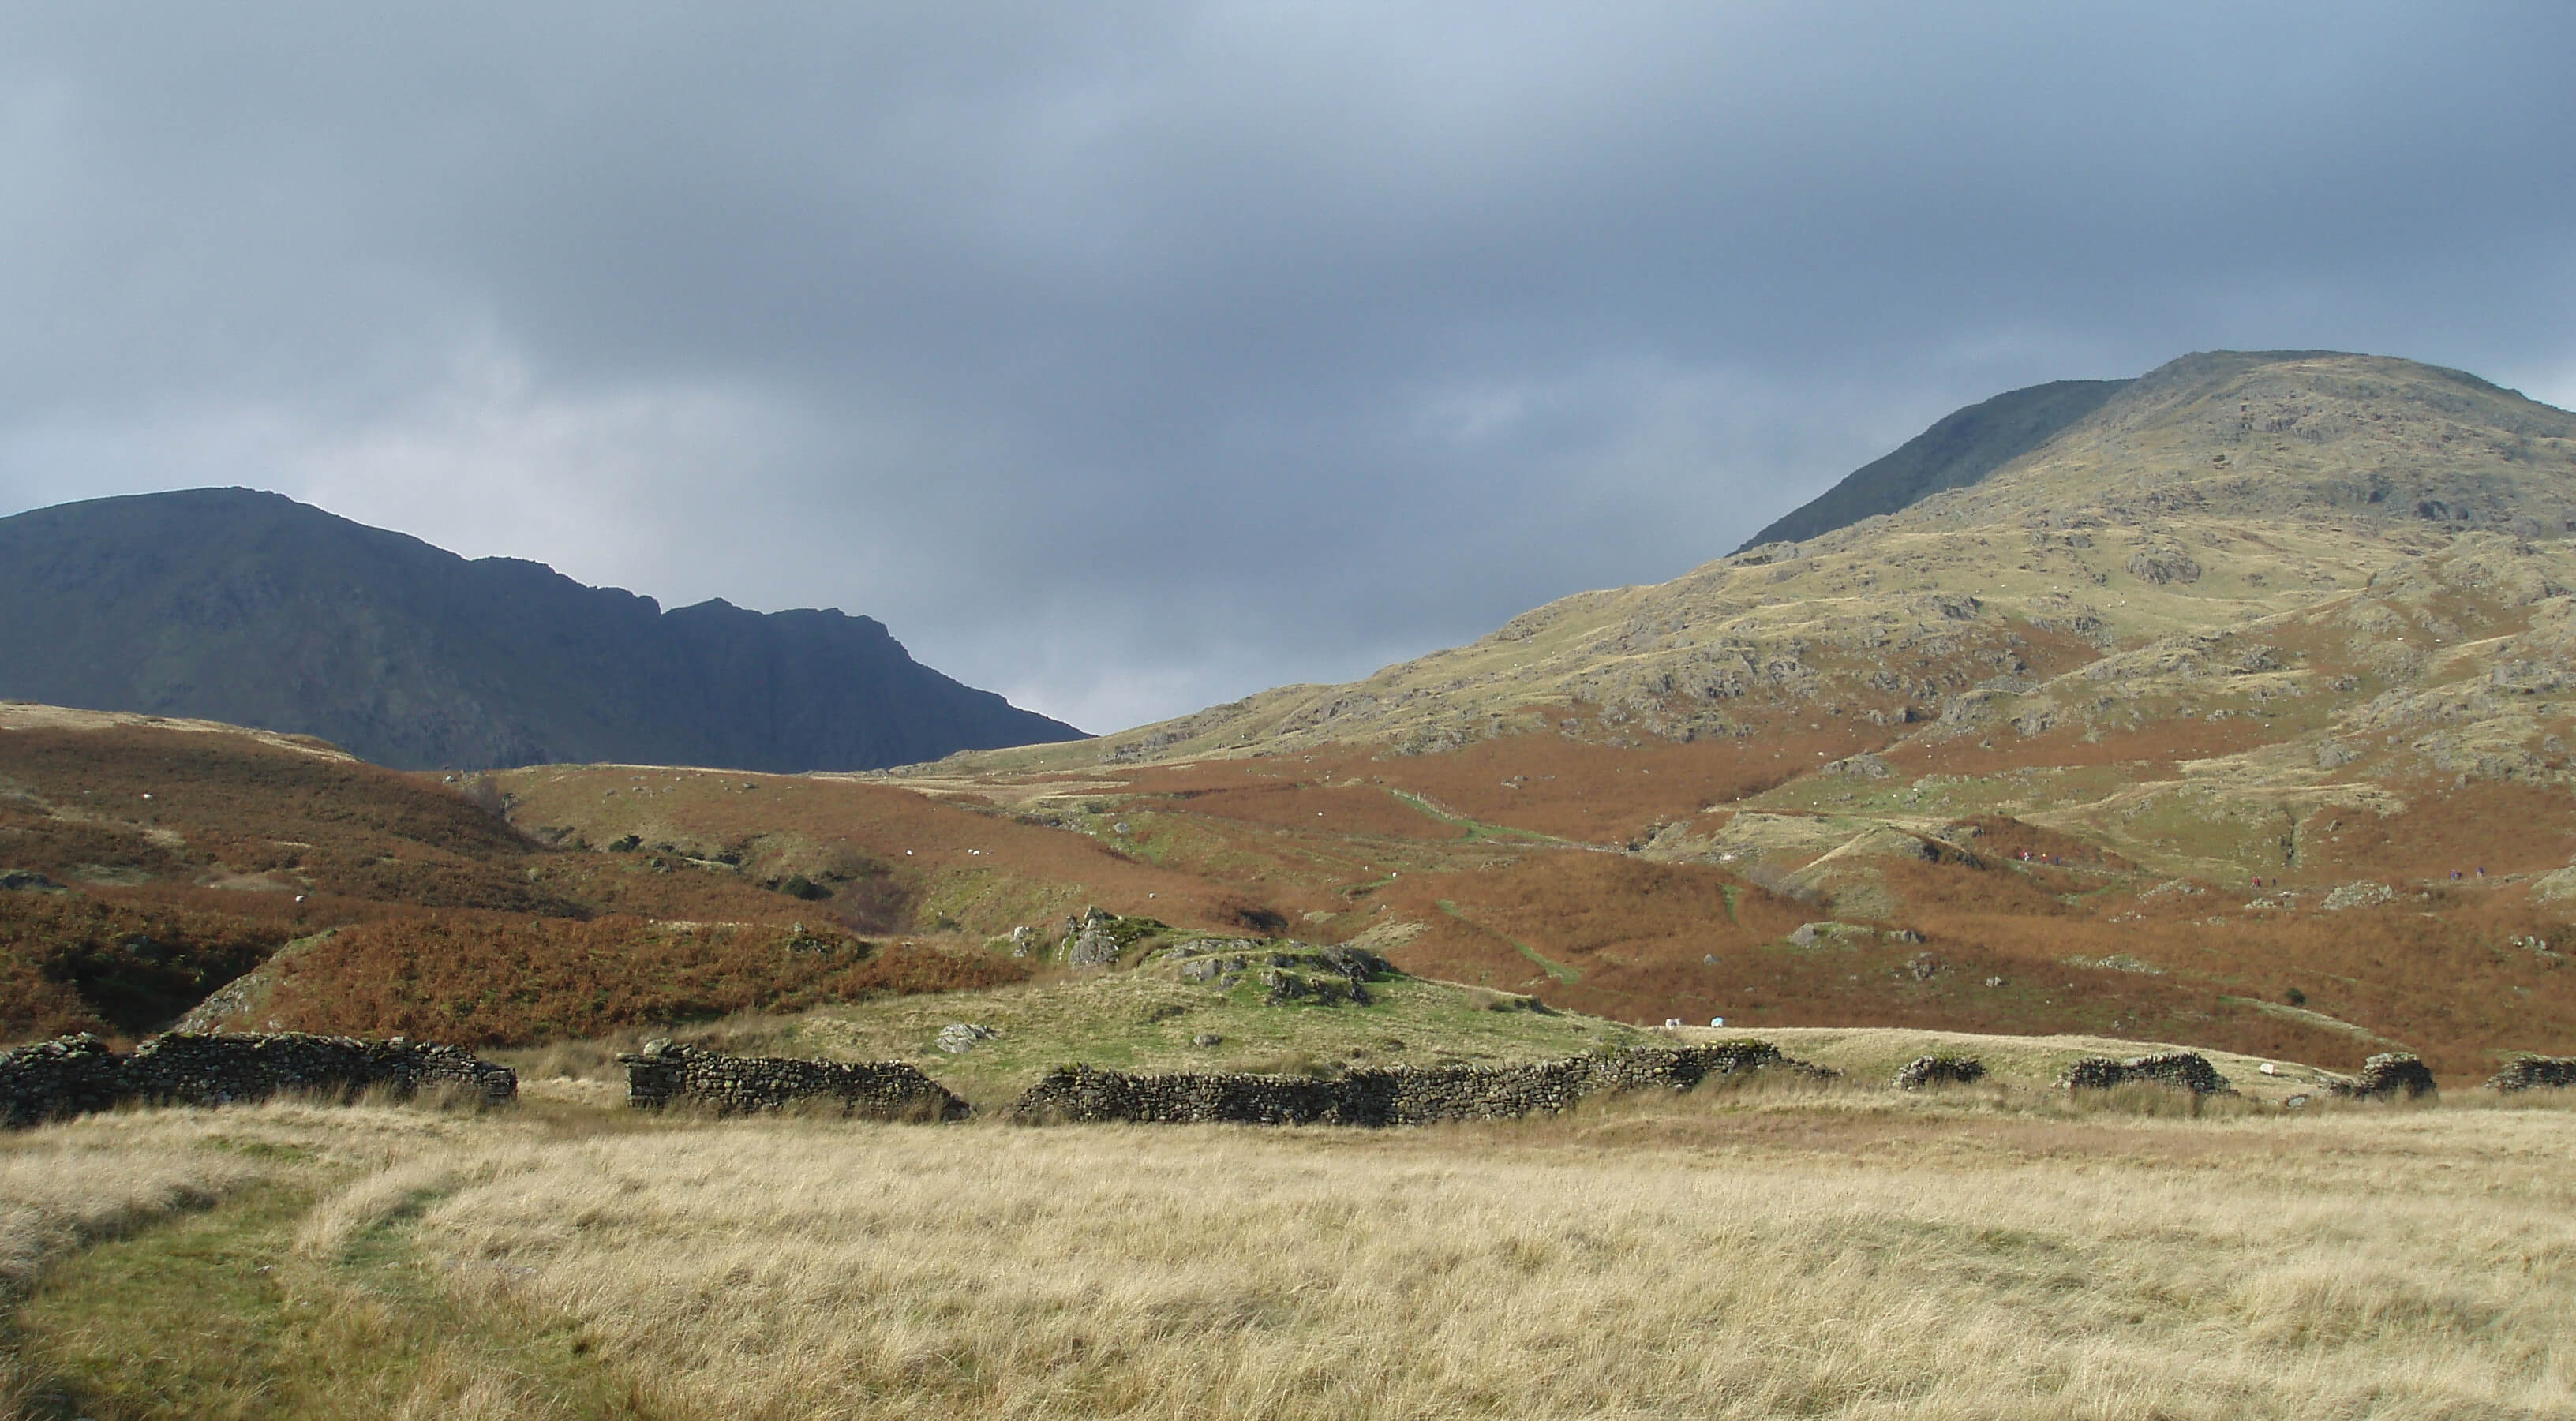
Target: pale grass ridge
(73, 1183)
(1752, 1252)
(60, 1189)
(782, 1270)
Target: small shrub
(799, 886)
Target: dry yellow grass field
(1775, 1250)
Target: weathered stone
(2527, 1072)
(51, 1080)
(2183, 1070)
(959, 1037)
(1099, 937)
(1939, 1070)
(2388, 1074)
(2164, 565)
(2363, 894)
(1401, 1096)
(78, 1074)
(1092, 946)
(663, 1073)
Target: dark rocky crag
(250, 608)
(1958, 450)
(77, 1075)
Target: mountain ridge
(2127, 524)
(247, 607)
(1959, 449)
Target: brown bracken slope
(2238, 715)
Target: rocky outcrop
(2387, 1076)
(1098, 938)
(959, 1037)
(667, 1073)
(2182, 1070)
(1939, 1070)
(1072, 1094)
(1293, 972)
(2529, 1072)
(75, 1075)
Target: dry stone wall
(2528, 1072)
(666, 1073)
(53, 1080)
(2388, 1074)
(2183, 1070)
(75, 1075)
(1939, 1070)
(1071, 1094)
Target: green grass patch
(213, 1315)
(1148, 1019)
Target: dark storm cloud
(1129, 357)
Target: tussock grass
(2133, 1267)
(1767, 1246)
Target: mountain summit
(2216, 491)
(241, 606)
(1960, 449)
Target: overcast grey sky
(1126, 358)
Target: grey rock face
(959, 1037)
(1093, 946)
(251, 608)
